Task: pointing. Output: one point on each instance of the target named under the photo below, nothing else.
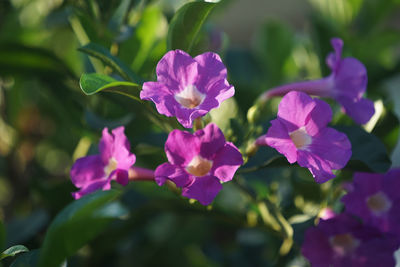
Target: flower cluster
(188, 88)
(345, 240)
(198, 163)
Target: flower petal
(121, 149)
(319, 168)
(174, 173)
(106, 146)
(203, 189)
(186, 116)
(333, 59)
(316, 247)
(211, 70)
(121, 176)
(351, 78)
(294, 109)
(87, 169)
(181, 147)
(332, 146)
(212, 139)
(319, 117)
(161, 96)
(226, 162)
(278, 138)
(359, 110)
(176, 70)
(100, 184)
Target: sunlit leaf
(12, 251)
(100, 52)
(93, 83)
(186, 24)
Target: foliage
(78, 66)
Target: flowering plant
(148, 133)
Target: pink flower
(346, 84)
(300, 133)
(343, 241)
(95, 172)
(188, 88)
(375, 198)
(199, 162)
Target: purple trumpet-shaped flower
(95, 172)
(343, 241)
(375, 198)
(346, 84)
(199, 162)
(300, 133)
(186, 87)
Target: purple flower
(188, 88)
(347, 84)
(375, 198)
(343, 241)
(95, 172)
(199, 162)
(300, 133)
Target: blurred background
(46, 122)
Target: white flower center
(300, 138)
(199, 166)
(379, 203)
(190, 97)
(111, 166)
(344, 243)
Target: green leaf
(93, 83)
(151, 29)
(35, 61)
(100, 52)
(12, 251)
(119, 15)
(368, 152)
(28, 259)
(186, 24)
(276, 43)
(2, 235)
(77, 224)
